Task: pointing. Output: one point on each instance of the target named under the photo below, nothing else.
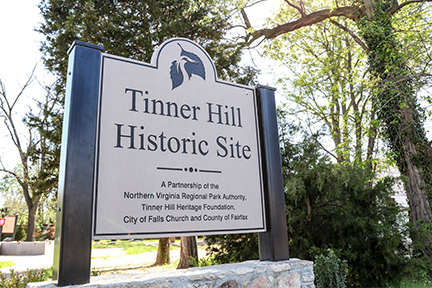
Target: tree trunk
(372, 138)
(188, 252)
(31, 225)
(398, 112)
(163, 252)
(415, 186)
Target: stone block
(229, 284)
(280, 267)
(244, 270)
(155, 284)
(26, 248)
(308, 277)
(202, 277)
(289, 281)
(260, 282)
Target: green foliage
(401, 118)
(344, 208)
(330, 271)
(202, 262)
(20, 280)
(10, 191)
(95, 273)
(325, 83)
(232, 248)
(133, 29)
(4, 264)
(419, 265)
(14, 204)
(21, 233)
(414, 284)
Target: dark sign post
(273, 244)
(161, 149)
(2, 222)
(74, 203)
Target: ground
(104, 261)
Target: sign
(178, 150)
(9, 224)
(2, 221)
(166, 140)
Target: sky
(19, 54)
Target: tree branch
(16, 176)
(300, 8)
(245, 18)
(29, 80)
(395, 8)
(254, 3)
(350, 12)
(351, 33)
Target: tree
(39, 156)
(330, 206)
(188, 252)
(134, 29)
(163, 252)
(14, 204)
(395, 88)
(328, 86)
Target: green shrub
(202, 262)
(4, 264)
(330, 271)
(348, 209)
(20, 233)
(20, 280)
(232, 248)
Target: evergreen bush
(330, 271)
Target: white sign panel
(178, 151)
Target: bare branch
(254, 3)
(322, 146)
(300, 8)
(16, 176)
(29, 80)
(397, 7)
(351, 33)
(245, 19)
(350, 12)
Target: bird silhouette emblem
(188, 63)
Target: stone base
(293, 273)
(26, 248)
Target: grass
(101, 257)
(131, 247)
(4, 264)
